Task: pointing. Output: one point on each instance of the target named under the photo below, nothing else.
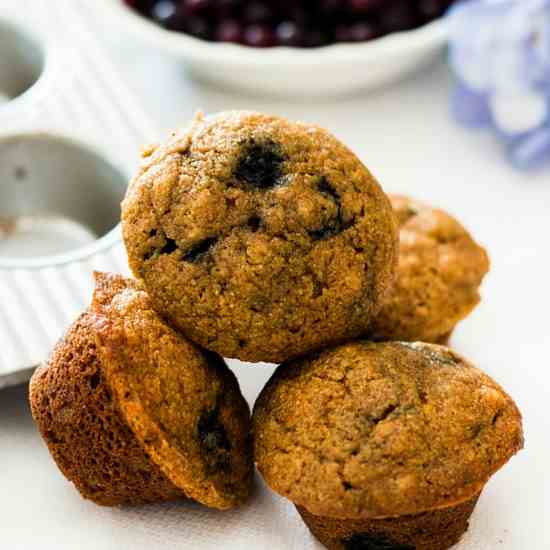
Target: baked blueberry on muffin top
(132, 412)
(389, 442)
(260, 238)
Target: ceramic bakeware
(70, 133)
(289, 72)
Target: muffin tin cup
(59, 201)
(437, 529)
(22, 64)
(70, 133)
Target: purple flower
(500, 54)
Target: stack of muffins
(260, 239)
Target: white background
(407, 139)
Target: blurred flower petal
(514, 114)
(470, 108)
(500, 53)
(532, 151)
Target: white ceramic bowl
(282, 71)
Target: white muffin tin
(70, 133)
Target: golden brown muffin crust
(183, 404)
(260, 238)
(439, 273)
(132, 412)
(85, 433)
(375, 430)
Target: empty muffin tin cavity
(22, 61)
(59, 200)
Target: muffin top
(260, 238)
(181, 402)
(376, 430)
(439, 272)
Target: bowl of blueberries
(301, 48)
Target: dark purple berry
(163, 11)
(229, 30)
(199, 250)
(289, 34)
(363, 6)
(258, 12)
(341, 33)
(263, 23)
(331, 6)
(194, 6)
(300, 15)
(197, 26)
(362, 541)
(363, 31)
(401, 16)
(431, 9)
(260, 165)
(315, 38)
(259, 36)
(226, 9)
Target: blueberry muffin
(383, 446)
(439, 273)
(260, 238)
(132, 412)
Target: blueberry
(163, 11)
(326, 188)
(363, 31)
(169, 247)
(289, 34)
(254, 223)
(258, 12)
(213, 440)
(315, 38)
(431, 9)
(260, 165)
(400, 16)
(331, 6)
(259, 36)
(263, 24)
(211, 432)
(229, 30)
(194, 6)
(337, 225)
(199, 250)
(342, 33)
(367, 541)
(366, 5)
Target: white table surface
(406, 137)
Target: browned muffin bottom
(176, 406)
(437, 529)
(439, 273)
(260, 238)
(85, 433)
(389, 442)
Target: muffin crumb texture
(85, 433)
(440, 270)
(133, 412)
(260, 238)
(381, 430)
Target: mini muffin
(439, 273)
(260, 238)
(383, 445)
(132, 412)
